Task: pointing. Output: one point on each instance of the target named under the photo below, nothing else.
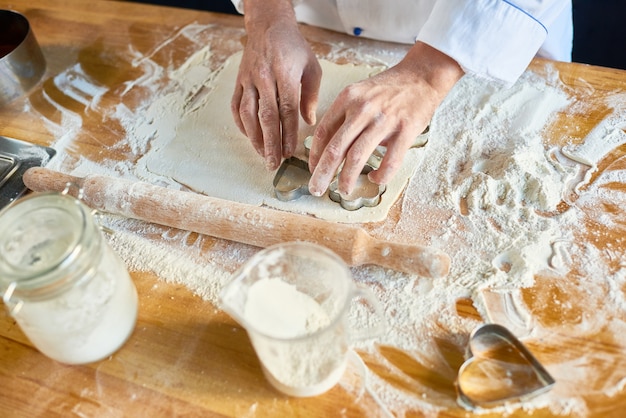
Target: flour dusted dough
(207, 153)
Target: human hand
(391, 108)
(279, 78)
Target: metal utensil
(500, 369)
(365, 194)
(21, 61)
(15, 158)
(292, 179)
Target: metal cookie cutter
(500, 369)
(292, 179)
(365, 193)
(22, 63)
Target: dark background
(599, 27)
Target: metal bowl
(21, 61)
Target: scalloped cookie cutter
(500, 369)
(292, 179)
(365, 192)
(292, 182)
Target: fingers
(356, 158)
(269, 120)
(324, 171)
(234, 107)
(311, 81)
(349, 152)
(328, 149)
(258, 116)
(245, 108)
(397, 147)
(266, 110)
(289, 119)
(346, 144)
(347, 134)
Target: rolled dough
(206, 152)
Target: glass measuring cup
(293, 299)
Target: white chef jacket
(496, 39)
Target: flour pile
(487, 166)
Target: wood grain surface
(188, 358)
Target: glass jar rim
(41, 280)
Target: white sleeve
(239, 4)
(492, 38)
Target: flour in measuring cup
(301, 352)
(277, 309)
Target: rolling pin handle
(40, 179)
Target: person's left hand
(391, 108)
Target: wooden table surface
(187, 358)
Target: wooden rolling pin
(239, 222)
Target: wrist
(267, 12)
(439, 70)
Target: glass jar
(68, 291)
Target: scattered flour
(509, 210)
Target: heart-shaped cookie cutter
(500, 369)
(292, 179)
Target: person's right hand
(279, 77)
